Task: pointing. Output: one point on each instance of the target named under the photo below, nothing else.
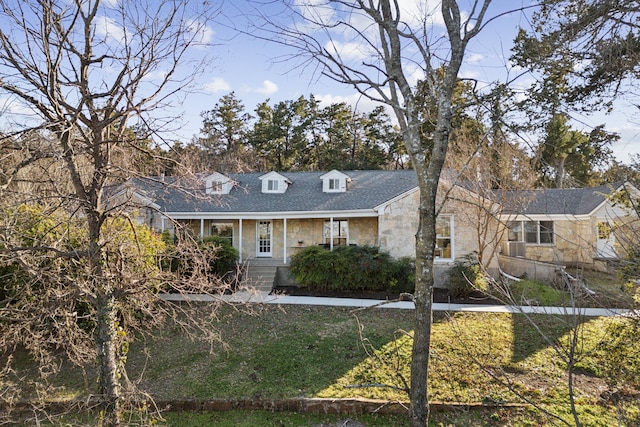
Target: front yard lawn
(284, 352)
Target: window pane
(443, 226)
(340, 232)
(515, 231)
(222, 229)
(531, 231)
(604, 230)
(443, 237)
(546, 232)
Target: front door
(605, 245)
(264, 239)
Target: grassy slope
(292, 351)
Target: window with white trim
(216, 187)
(340, 232)
(272, 185)
(334, 182)
(531, 232)
(217, 183)
(444, 237)
(222, 229)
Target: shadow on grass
(280, 352)
(534, 333)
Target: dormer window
(216, 187)
(216, 183)
(273, 182)
(334, 182)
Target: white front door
(264, 241)
(605, 245)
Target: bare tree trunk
(108, 361)
(384, 77)
(106, 333)
(560, 172)
(423, 314)
(88, 88)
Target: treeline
(300, 135)
(297, 135)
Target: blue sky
(254, 70)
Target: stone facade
(397, 226)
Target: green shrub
(225, 258)
(351, 268)
(465, 277)
(403, 275)
(213, 256)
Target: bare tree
(85, 71)
(391, 47)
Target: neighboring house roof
(559, 201)
(367, 190)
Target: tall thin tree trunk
(560, 172)
(108, 361)
(423, 299)
(106, 333)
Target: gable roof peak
(275, 175)
(334, 173)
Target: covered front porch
(279, 238)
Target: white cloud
(351, 51)
(475, 58)
(107, 27)
(414, 12)
(358, 102)
(268, 88)
(204, 34)
(217, 84)
(319, 11)
(14, 106)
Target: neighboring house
(573, 226)
(274, 215)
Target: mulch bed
(439, 295)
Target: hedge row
(352, 268)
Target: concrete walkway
(263, 297)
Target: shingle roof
(559, 201)
(367, 190)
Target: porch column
(331, 233)
(285, 240)
(162, 224)
(240, 241)
(202, 229)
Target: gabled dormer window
(334, 182)
(273, 182)
(217, 183)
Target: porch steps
(261, 272)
